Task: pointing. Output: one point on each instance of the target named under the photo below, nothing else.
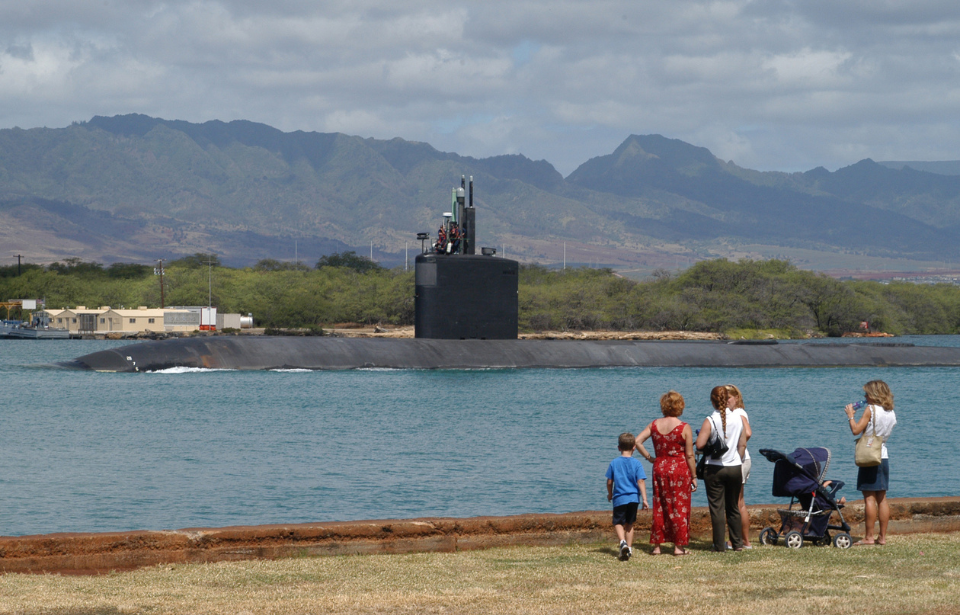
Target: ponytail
(718, 397)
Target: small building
(83, 320)
(181, 319)
(56, 318)
(140, 320)
(229, 321)
(80, 319)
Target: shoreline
(407, 332)
(97, 553)
(401, 333)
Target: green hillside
(135, 188)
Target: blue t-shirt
(625, 472)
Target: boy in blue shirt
(626, 485)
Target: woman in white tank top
(723, 477)
(876, 421)
(735, 403)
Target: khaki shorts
(745, 469)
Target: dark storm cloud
(769, 84)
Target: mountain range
(137, 188)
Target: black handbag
(702, 467)
(717, 446)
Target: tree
(128, 271)
(269, 264)
(76, 266)
(350, 260)
(12, 271)
(196, 261)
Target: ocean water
(84, 451)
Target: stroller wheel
(794, 540)
(768, 536)
(842, 541)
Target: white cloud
(809, 69)
(770, 83)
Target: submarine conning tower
(459, 294)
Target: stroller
(800, 475)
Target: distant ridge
(946, 167)
(135, 188)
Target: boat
(6, 326)
(38, 329)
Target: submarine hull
(329, 353)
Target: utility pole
(158, 270)
(210, 281)
(19, 256)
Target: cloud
(772, 84)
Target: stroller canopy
(800, 472)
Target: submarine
(466, 317)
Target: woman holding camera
(723, 476)
(877, 421)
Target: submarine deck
(327, 353)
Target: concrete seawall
(103, 552)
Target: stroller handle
(772, 455)
(834, 487)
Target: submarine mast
(460, 295)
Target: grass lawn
(912, 574)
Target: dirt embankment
(388, 331)
(408, 332)
(93, 553)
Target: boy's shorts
(625, 514)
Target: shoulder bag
(717, 445)
(869, 448)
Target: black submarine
(466, 317)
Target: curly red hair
(672, 404)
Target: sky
(784, 85)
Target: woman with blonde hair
(877, 421)
(735, 403)
(723, 477)
(674, 474)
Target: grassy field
(912, 574)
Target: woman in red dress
(674, 474)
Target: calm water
(94, 452)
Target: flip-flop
(860, 543)
(684, 552)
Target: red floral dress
(671, 488)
